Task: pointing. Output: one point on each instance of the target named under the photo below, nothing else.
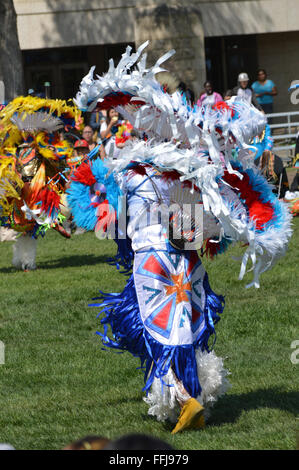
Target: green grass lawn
(58, 385)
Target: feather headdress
(208, 146)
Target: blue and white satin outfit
(167, 311)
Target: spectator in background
(296, 157)
(264, 89)
(108, 130)
(208, 96)
(295, 163)
(243, 91)
(227, 95)
(108, 127)
(80, 152)
(95, 121)
(295, 183)
(189, 94)
(271, 166)
(88, 135)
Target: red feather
(172, 175)
(259, 211)
(50, 200)
(84, 175)
(211, 248)
(113, 100)
(221, 105)
(138, 169)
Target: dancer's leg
(24, 253)
(191, 416)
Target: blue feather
(260, 184)
(79, 197)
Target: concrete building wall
(50, 23)
(174, 27)
(55, 23)
(62, 23)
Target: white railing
(290, 130)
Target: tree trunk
(11, 64)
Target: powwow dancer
(32, 164)
(194, 157)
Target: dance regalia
(32, 165)
(167, 313)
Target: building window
(64, 67)
(228, 56)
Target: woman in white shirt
(108, 130)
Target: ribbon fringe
(121, 313)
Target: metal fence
(285, 132)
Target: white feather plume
(163, 399)
(38, 121)
(24, 252)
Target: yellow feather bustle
(30, 105)
(10, 184)
(11, 137)
(46, 145)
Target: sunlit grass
(57, 384)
